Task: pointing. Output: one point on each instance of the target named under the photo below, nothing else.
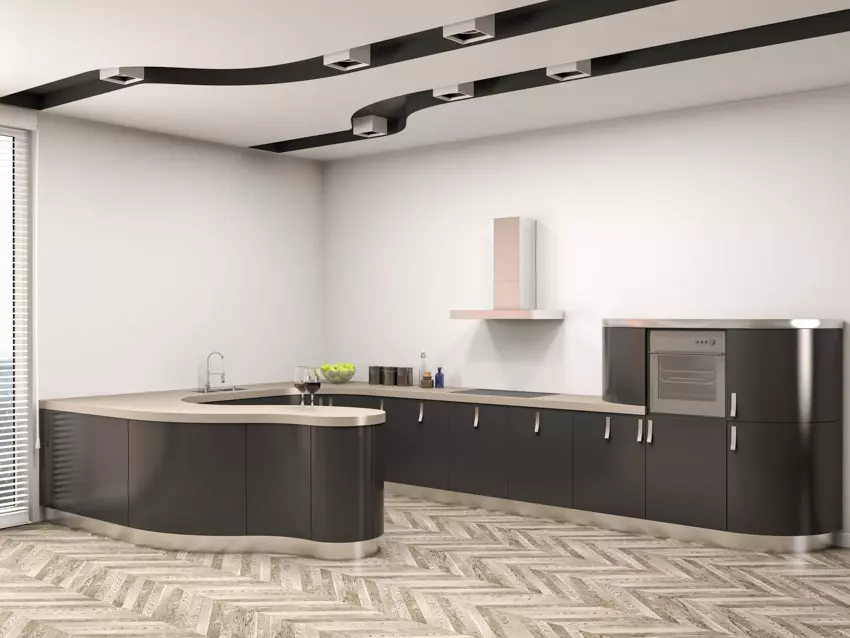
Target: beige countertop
(186, 406)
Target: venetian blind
(15, 350)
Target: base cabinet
(417, 443)
(784, 478)
(686, 471)
(610, 471)
(540, 456)
(479, 436)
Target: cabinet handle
(733, 443)
(607, 427)
(733, 409)
(330, 401)
(649, 430)
(640, 431)
(421, 411)
(475, 418)
(381, 405)
(537, 422)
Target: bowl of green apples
(338, 372)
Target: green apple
(325, 367)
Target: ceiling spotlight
(350, 59)
(570, 71)
(370, 126)
(456, 92)
(468, 31)
(123, 75)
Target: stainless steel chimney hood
(514, 274)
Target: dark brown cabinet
(686, 470)
(540, 456)
(417, 443)
(187, 478)
(70, 481)
(609, 472)
(278, 455)
(784, 479)
(478, 447)
(624, 365)
(776, 374)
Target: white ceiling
(63, 38)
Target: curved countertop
(188, 406)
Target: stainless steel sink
(224, 388)
(506, 393)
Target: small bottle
(439, 380)
(423, 367)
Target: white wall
(153, 251)
(738, 210)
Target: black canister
(389, 375)
(376, 375)
(404, 376)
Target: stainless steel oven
(687, 371)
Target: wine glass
(312, 383)
(301, 380)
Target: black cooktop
(506, 393)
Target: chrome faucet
(207, 385)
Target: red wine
(313, 386)
(301, 387)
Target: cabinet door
(416, 443)
(278, 480)
(784, 479)
(624, 371)
(686, 471)
(609, 473)
(188, 478)
(353, 401)
(84, 465)
(478, 449)
(762, 370)
(541, 456)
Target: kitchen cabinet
(784, 479)
(348, 401)
(478, 449)
(624, 365)
(764, 371)
(540, 456)
(70, 479)
(686, 471)
(280, 456)
(188, 478)
(609, 473)
(417, 443)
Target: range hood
(514, 274)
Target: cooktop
(506, 393)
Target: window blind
(15, 397)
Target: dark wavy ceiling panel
(509, 24)
(397, 110)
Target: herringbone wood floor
(442, 571)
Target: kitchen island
(177, 470)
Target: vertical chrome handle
(381, 405)
(607, 427)
(733, 409)
(330, 401)
(475, 418)
(421, 411)
(649, 430)
(537, 422)
(733, 443)
(640, 431)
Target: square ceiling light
(350, 59)
(456, 92)
(370, 126)
(570, 71)
(469, 31)
(123, 75)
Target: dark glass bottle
(439, 380)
